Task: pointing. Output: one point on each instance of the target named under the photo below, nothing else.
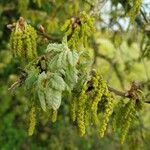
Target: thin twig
(50, 38)
(123, 94)
(116, 92)
(144, 16)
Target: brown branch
(129, 94)
(144, 16)
(123, 94)
(19, 82)
(50, 38)
(116, 92)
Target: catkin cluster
(124, 117)
(125, 113)
(108, 109)
(78, 29)
(98, 89)
(129, 114)
(85, 107)
(81, 111)
(32, 121)
(23, 41)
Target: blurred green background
(117, 55)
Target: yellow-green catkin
(78, 29)
(74, 40)
(23, 41)
(107, 113)
(99, 87)
(135, 8)
(81, 111)
(73, 108)
(32, 121)
(88, 115)
(95, 99)
(54, 115)
(128, 117)
(67, 26)
(117, 116)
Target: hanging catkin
(23, 40)
(32, 121)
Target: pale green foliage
(64, 62)
(41, 97)
(53, 98)
(56, 81)
(60, 75)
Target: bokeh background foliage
(118, 52)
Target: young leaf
(72, 58)
(57, 82)
(61, 62)
(71, 76)
(42, 99)
(40, 80)
(32, 78)
(53, 63)
(54, 47)
(53, 98)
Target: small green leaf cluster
(53, 77)
(23, 41)
(78, 29)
